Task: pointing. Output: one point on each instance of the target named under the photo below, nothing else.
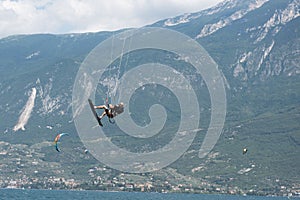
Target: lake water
(17, 194)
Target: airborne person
(110, 110)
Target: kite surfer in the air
(110, 110)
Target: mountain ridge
(280, 14)
(257, 50)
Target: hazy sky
(66, 16)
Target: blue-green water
(85, 195)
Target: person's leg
(101, 107)
(103, 114)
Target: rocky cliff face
(261, 36)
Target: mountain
(262, 36)
(256, 45)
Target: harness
(109, 114)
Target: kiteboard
(94, 112)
